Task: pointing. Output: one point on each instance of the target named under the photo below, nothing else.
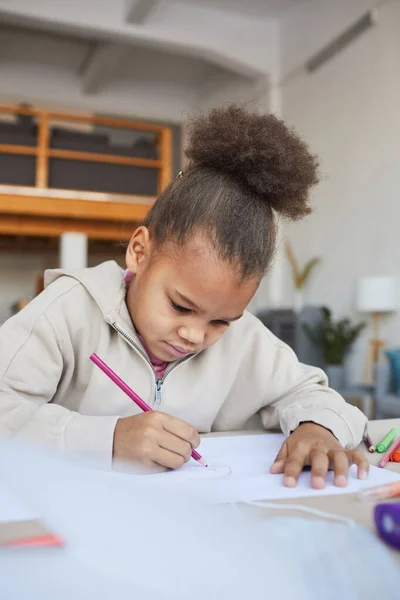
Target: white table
(347, 505)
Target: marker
(387, 440)
(385, 459)
(395, 456)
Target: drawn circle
(209, 472)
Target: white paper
(129, 538)
(11, 508)
(240, 472)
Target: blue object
(387, 400)
(387, 521)
(394, 359)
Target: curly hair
(245, 169)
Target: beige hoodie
(51, 392)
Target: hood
(105, 283)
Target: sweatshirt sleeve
(31, 368)
(302, 394)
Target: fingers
(319, 468)
(293, 466)
(181, 429)
(279, 462)
(167, 459)
(175, 444)
(356, 457)
(320, 462)
(340, 466)
(341, 461)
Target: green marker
(387, 440)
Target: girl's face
(183, 299)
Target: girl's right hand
(154, 440)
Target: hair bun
(260, 151)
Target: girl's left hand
(313, 445)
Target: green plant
(300, 276)
(334, 338)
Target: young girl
(174, 326)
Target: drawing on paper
(197, 471)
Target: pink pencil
(385, 459)
(132, 395)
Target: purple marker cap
(387, 521)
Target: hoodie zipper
(158, 381)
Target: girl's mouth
(177, 351)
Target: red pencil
(132, 395)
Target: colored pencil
(386, 457)
(382, 492)
(132, 395)
(368, 443)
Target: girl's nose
(193, 335)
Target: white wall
(224, 88)
(17, 279)
(349, 113)
(18, 273)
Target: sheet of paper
(126, 538)
(239, 471)
(11, 507)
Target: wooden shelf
(42, 226)
(105, 158)
(71, 209)
(48, 212)
(43, 212)
(23, 244)
(14, 149)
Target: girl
(175, 327)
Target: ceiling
(159, 56)
(208, 30)
(70, 53)
(31, 46)
(251, 8)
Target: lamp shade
(377, 294)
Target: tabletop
(346, 505)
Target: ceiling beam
(138, 11)
(100, 65)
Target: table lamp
(377, 296)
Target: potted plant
(300, 276)
(334, 339)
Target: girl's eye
(180, 309)
(183, 309)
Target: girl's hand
(313, 445)
(154, 440)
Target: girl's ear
(139, 249)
